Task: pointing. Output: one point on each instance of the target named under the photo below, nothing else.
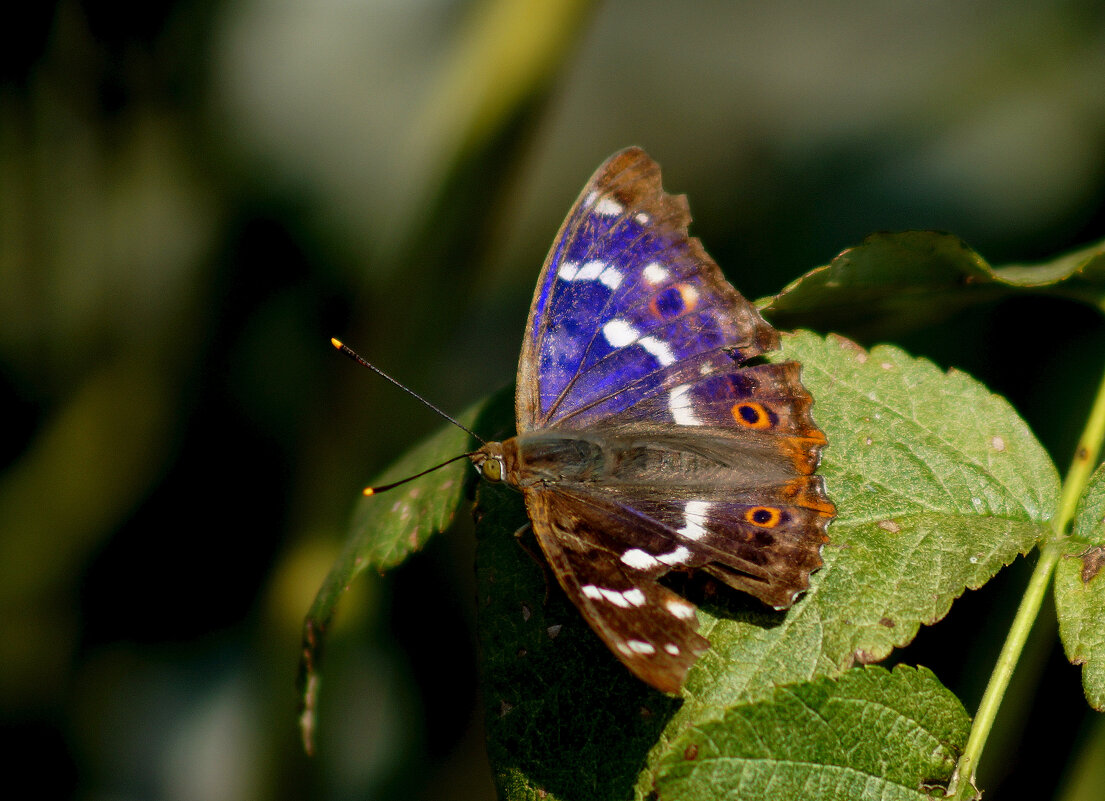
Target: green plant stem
(962, 785)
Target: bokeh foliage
(195, 196)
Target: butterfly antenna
(352, 354)
(384, 487)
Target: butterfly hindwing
(647, 626)
(764, 540)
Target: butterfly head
(490, 462)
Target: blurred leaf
(82, 475)
(938, 484)
(1080, 591)
(563, 716)
(897, 281)
(869, 734)
(386, 530)
(1086, 776)
(506, 52)
(502, 53)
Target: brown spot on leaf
(885, 621)
(889, 525)
(504, 708)
(690, 753)
(864, 657)
(1083, 454)
(849, 345)
(1092, 560)
(552, 631)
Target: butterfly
(646, 443)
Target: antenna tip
(337, 343)
(369, 491)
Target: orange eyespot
(763, 516)
(674, 300)
(751, 415)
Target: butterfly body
(645, 442)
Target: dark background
(195, 196)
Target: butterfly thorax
(629, 456)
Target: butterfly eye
(492, 470)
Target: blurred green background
(195, 196)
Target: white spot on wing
(636, 558)
(634, 596)
(608, 207)
(642, 218)
(591, 591)
(615, 597)
(611, 278)
(655, 272)
(568, 270)
(591, 270)
(672, 649)
(641, 647)
(679, 404)
(658, 348)
(676, 557)
(619, 333)
(680, 608)
(695, 515)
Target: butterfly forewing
(627, 304)
(645, 445)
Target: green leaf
(896, 281)
(1080, 591)
(564, 719)
(871, 733)
(386, 530)
(938, 484)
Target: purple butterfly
(644, 446)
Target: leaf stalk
(1086, 456)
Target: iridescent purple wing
(627, 305)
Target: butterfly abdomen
(702, 460)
